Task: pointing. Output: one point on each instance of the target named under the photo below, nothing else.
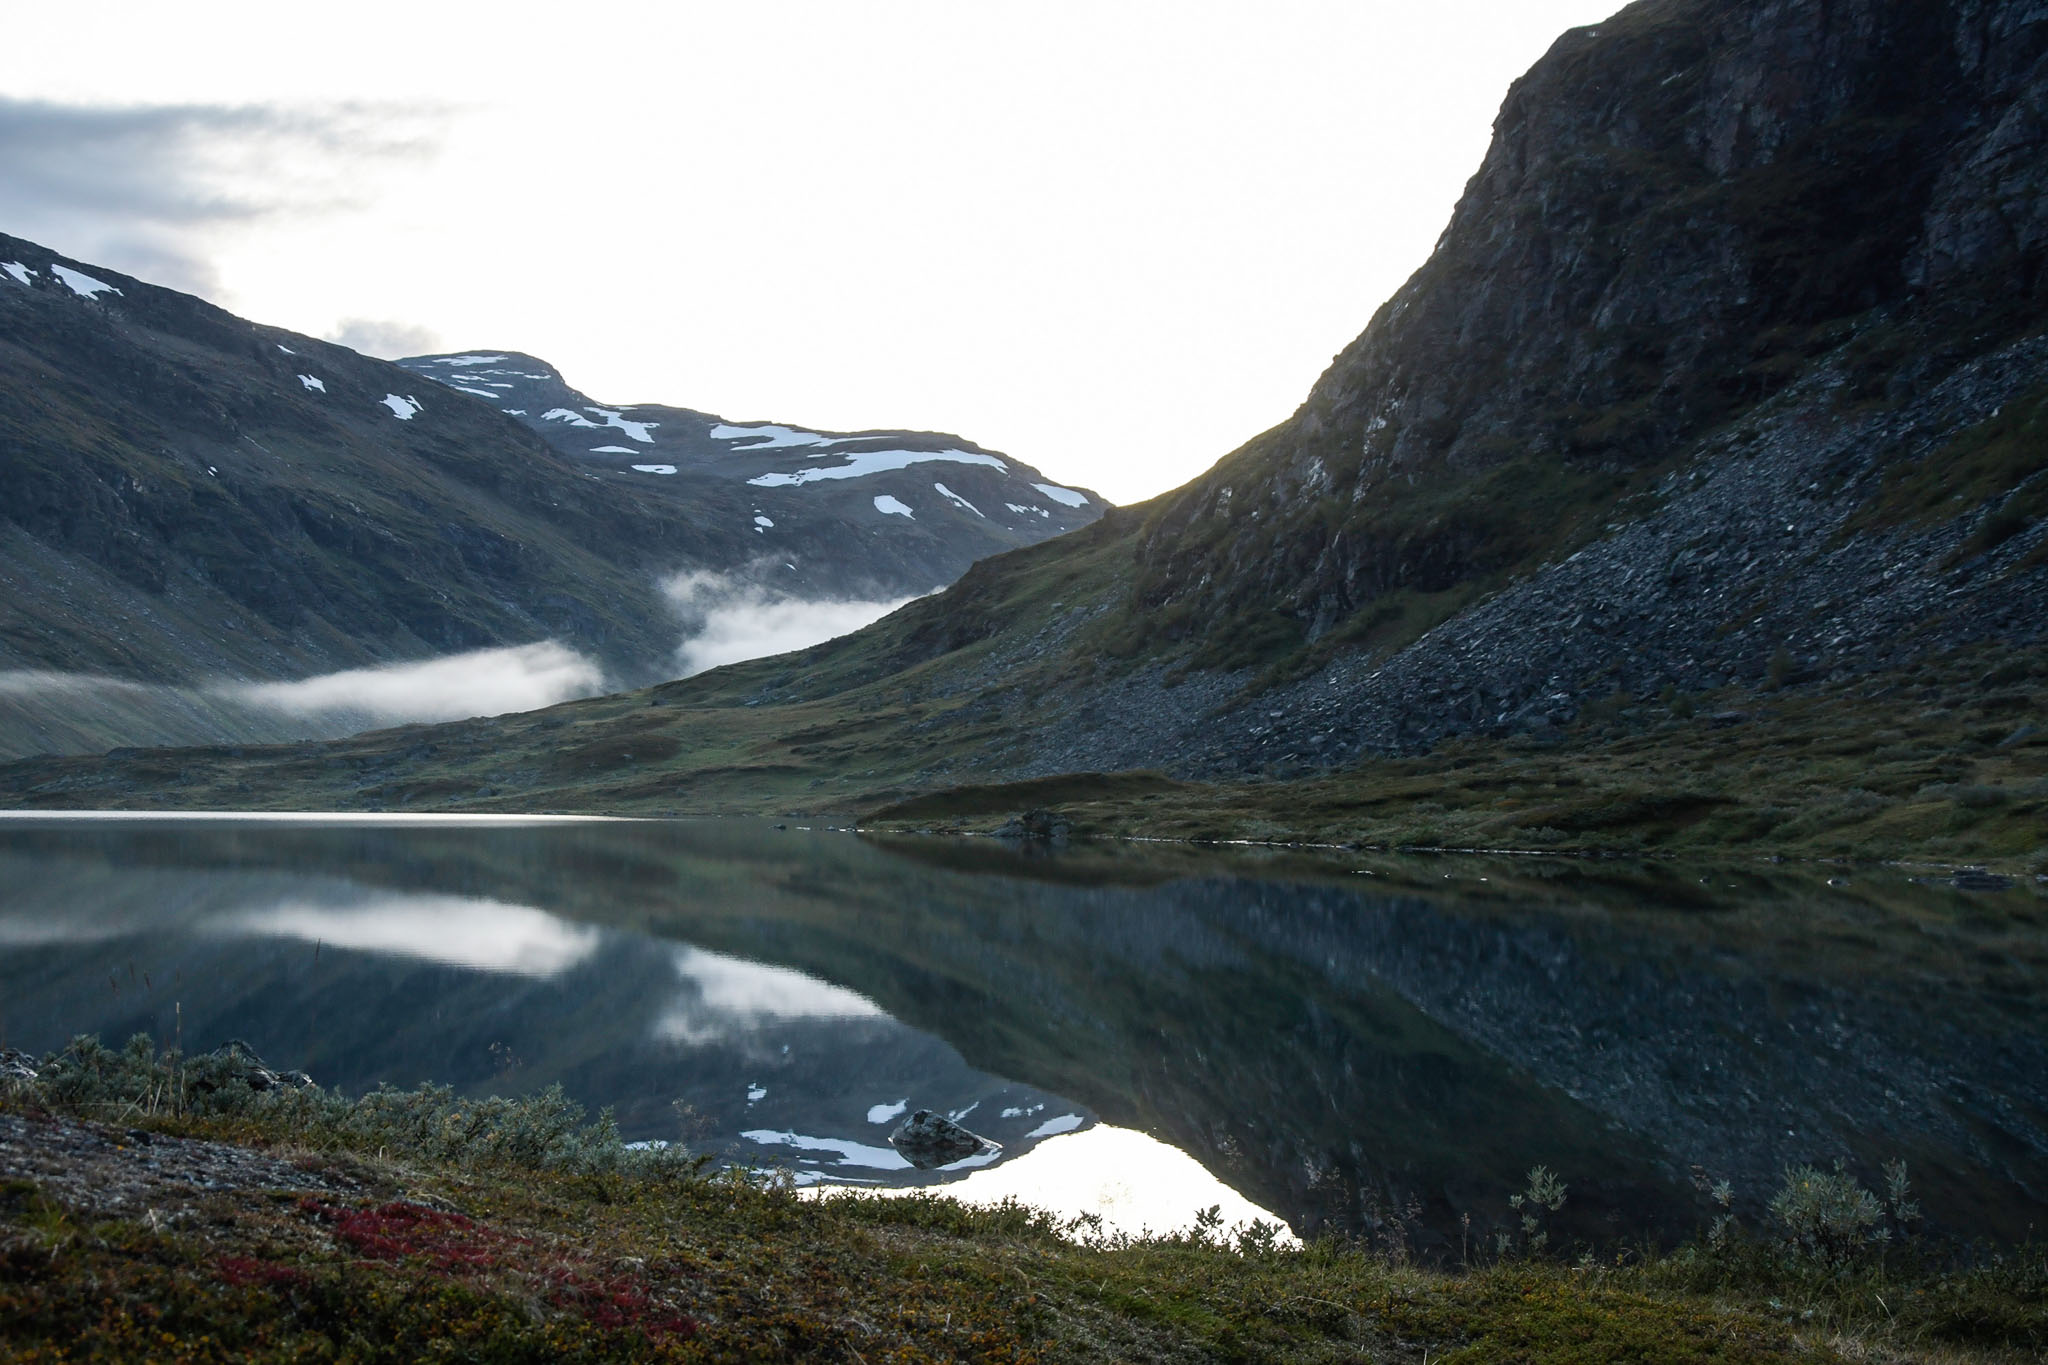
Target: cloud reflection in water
(727, 995)
(460, 931)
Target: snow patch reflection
(724, 995)
(1134, 1183)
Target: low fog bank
(723, 619)
(488, 682)
(730, 618)
(73, 713)
(76, 713)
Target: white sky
(1113, 238)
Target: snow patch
(481, 393)
(1065, 1123)
(654, 468)
(756, 1093)
(513, 412)
(286, 349)
(882, 1113)
(82, 284)
(772, 437)
(864, 462)
(637, 430)
(1027, 511)
(890, 507)
(404, 409)
(613, 450)
(946, 492)
(1062, 495)
(312, 383)
(569, 415)
(469, 360)
(850, 1153)
(18, 270)
(762, 523)
(1014, 1113)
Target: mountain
(954, 502)
(1715, 429)
(190, 500)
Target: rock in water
(929, 1140)
(1046, 826)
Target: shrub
(543, 1131)
(1827, 1215)
(1544, 1194)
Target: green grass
(1936, 763)
(480, 1251)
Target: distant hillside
(1723, 399)
(944, 501)
(188, 498)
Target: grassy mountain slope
(179, 502)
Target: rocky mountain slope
(1728, 371)
(187, 497)
(1725, 381)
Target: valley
(1558, 553)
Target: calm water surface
(1374, 1046)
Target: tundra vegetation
(400, 1226)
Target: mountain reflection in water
(1372, 1046)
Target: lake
(1378, 1046)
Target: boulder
(236, 1060)
(16, 1065)
(1044, 826)
(929, 1140)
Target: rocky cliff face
(1727, 368)
(1683, 211)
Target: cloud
(385, 339)
(144, 188)
(489, 682)
(727, 618)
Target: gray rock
(238, 1061)
(929, 1140)
(16, 1065)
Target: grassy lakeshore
(144, 1215)
(1947, 763)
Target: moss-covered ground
(438, 1252)
(1950, 767)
